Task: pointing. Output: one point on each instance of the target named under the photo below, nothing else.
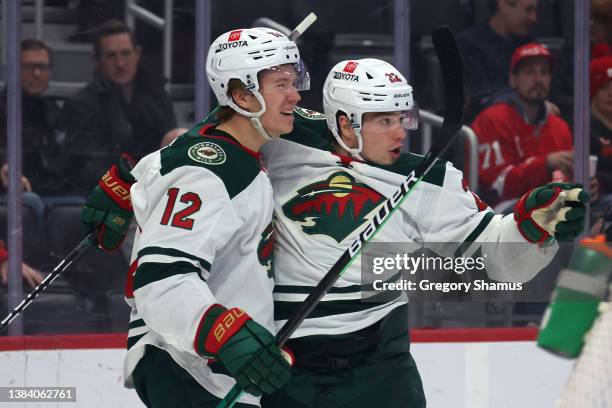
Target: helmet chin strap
(354, 152)
(255, 122)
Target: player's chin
(387, 159)
(285, 123)
(279, 130)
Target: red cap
(528, 51)
(600, 72)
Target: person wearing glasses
(124, 109)
(39, 119)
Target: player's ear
(346, 131)
(241, 97)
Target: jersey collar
(211, 131)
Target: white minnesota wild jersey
(204, 211)
(322, 202)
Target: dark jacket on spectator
(40, 142)
(601, 146)
(486, 58)
(101, 125)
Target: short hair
(34, 44)
(108, 28)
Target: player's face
(35, 71)
(519, 15)
(383, 135)
(532, 80)
(603, 99)
(118, 58)
(280, 95)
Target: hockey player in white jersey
(354, 353)
(329, 175)
(200, 285)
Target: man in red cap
(521, 143)
(601, 120)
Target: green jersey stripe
(284, 310)
(173, 252)
(133, 340)
(136, 323)
(153, 272)
(475, 233)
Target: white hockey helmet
(242, 54)
(355, 87)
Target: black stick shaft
(61, 267)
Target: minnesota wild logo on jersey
(333, 207)
(207, 153)
(265, 250)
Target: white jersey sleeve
(459, 217)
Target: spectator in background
(39, 121)
(601, 120)
(31, 275)
(521, 143)
(487, 49)
(125, 109)
(562, 88)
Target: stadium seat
(96, 271)
(58, 310)
(72, 62)
(35, 248)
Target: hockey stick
(88, 241)
(452, 73)
(303, 26)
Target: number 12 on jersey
(181, 218)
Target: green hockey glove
(553, 211)
(245, 348)
(109, 208)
